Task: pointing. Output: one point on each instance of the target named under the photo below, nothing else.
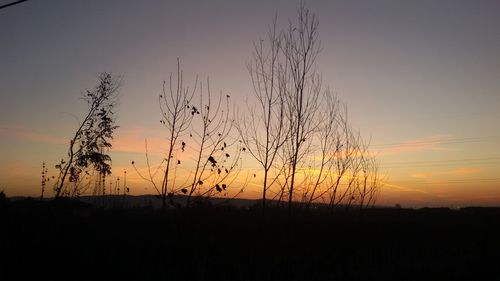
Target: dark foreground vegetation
(71, 240)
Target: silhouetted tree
(3, 200)
(264, 132)
(302, 88)
(304, 132)
(45, 179)
(338, 182)
(368, 182)
(331, 141)
(201, 128)
(89, 144)
(217, 160)
(177, 114)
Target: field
(71, 240)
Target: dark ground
(73, 241)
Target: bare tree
(92, 139)
(340, 182)
(368, 182)
(354, 177)
(264, 132)
(330, 142)
(321, 158)
(176, 117)
(302, 88)
(174, 106)
(201, 128)
(217, 159)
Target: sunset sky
(421, 79)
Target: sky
(421, 80)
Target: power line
(445, 161)
(451, 162)
(12, 3)
(450, 181)
(441, 164)
(443, 141)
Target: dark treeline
(71, 240)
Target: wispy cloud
(462, 171)
(21, 133)
(129, 140)
(134, 140)
(404, 188)
(429, 143)
(422, 175)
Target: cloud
(429, 143)
(404, 188)
(463, 171)
(131, 140)
(20, 133)
(422, 175)
(134, 140)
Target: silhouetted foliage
(213, 145)
(91, 141)
(200, 125)
(3, 200)
(45, 179)
(177, 114)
